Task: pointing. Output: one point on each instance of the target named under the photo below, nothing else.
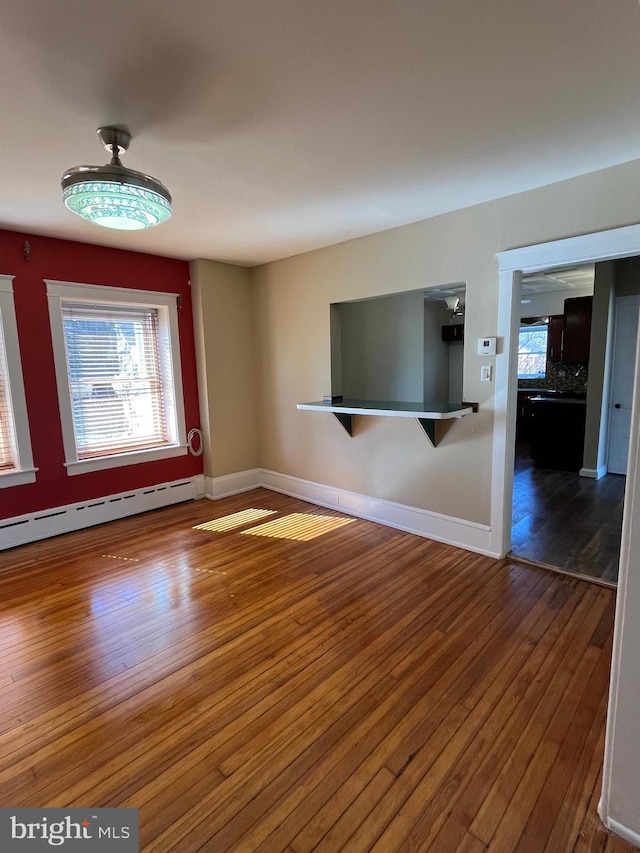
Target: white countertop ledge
(389, 408)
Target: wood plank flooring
(365, 690)
(566, 521)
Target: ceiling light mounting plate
(110, 136)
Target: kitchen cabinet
(557, 432)
(569, 334)
(453, 332)
(555, 333)
(577, 329)
(523, 417)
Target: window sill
(17, 478)
(119, 460)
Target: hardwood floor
(566, 521)
(365, 690)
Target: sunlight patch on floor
(300, 526)
(237, 519)
(125, 559)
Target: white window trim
(26, 473)
(67, 290)
(542, 352)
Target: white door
(624, 356)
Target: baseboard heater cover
(63, 519)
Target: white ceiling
(284, 125)
(571, 278)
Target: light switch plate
(485, 373)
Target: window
(118, 373)
(532, 352)
(16, 460)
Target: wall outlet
(485, 373)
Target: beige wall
(383, 347)
(435, 353)
(389, 458)
(225, 354)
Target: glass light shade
(113, 196)
(117, 205)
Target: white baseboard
(618, 828)
(200, 486)
(64, 519)
(594, 473)
(232, 484)
(442, 528)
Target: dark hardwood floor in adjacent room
(365, 690)
(566, 521)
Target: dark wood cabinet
(453, 332)
(577, 329)
(557, 433)
(523, 416)
(554, 338)
(569, 334)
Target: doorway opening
(570, 452)
(614, 245)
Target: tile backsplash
(560, 377)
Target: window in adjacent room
(16, 460)
(532, 352)
(118, 372)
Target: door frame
(619, 805)
(619, 302)
(513, 264)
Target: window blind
(115, 378)
(8, 460)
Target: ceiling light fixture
(112, 195)
(456, 309)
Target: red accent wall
(64, 260)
